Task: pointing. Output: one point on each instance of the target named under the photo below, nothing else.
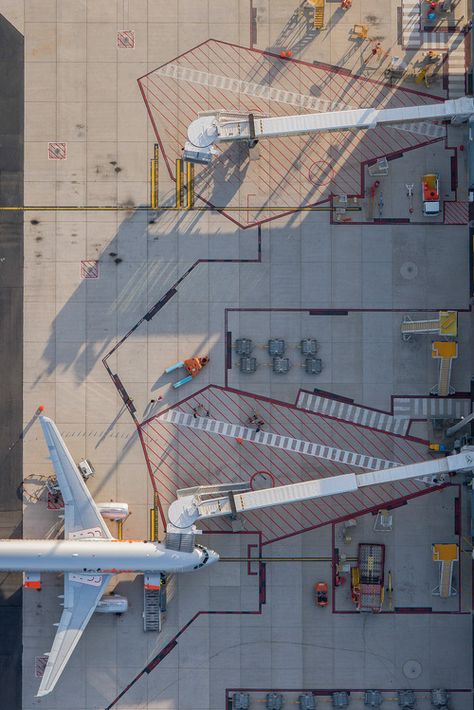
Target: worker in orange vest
(193, 367)
(195, 364)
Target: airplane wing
(81, 595)
(81, 517)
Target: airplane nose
(213, 557)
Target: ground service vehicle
(430, 195)
(321, 593)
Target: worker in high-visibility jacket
(195, 364)
(193, 367)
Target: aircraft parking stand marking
(222, 459)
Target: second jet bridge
(213, 127)
(204, 502)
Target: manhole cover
(412, 669)
(409, 270)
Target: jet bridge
(231, 499)
(213, 127)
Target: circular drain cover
(409, 270)
(412, 669)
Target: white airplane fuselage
(98, 556)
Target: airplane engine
(112, 604)
(113, 511)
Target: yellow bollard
(179, 182)
(152, 524)
(154, 178)
(189, 185)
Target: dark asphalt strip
(11, 352)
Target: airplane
(89, 555)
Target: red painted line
(213, 454)
(235, 105)
(340, 467)
(249, 555)
(269, 454)
(382, 449)
(168, 136)
(160, 470)
(160, 463)
(163, 93)
(248, 451)
(172, 61)
(320, 461)
(335, 469)
(409, 457)
(163, 88)
(412, 454)
(232, 453)
(321, 393)
(354, 515)
(198, 441)
(289, 406)
(152, 477)
(176, 459)
(365, 493)
(394, 139)
(334, 441)
(155, 129)
(193, 464)
(268, 460)
(367, 450)
(186, 472)
(166, 91)
(288, 78)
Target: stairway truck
(430, 195)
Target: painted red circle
(321, 172)
(263, 477)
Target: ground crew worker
(200, 411)
(195, 364)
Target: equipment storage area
(408, 570)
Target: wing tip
(40, 693)
(44, 419)
(47, 684)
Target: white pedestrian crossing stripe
(279, 441)
(431, 407)
(451, 42)
(411, 24)
(353, 413)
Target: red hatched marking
(456, 212)
(300, 170)
(126, 39)
(90, 269)
(321, 173)
(40, 665)
(262, 479)
(182, 457)
(57, 151)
